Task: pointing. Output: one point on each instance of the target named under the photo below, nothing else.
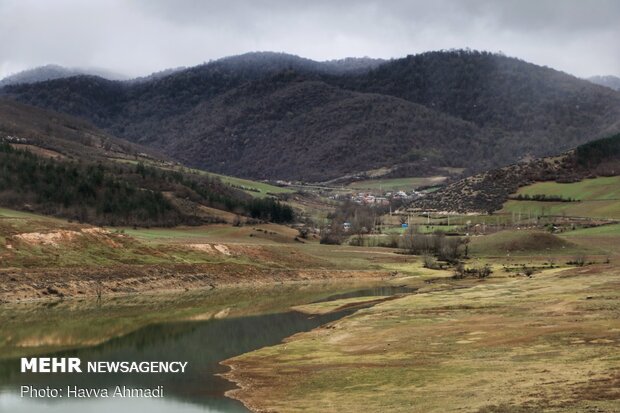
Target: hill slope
(487, 192)
(308, 130)
(529, 109)
(281, 116)
(60, 135)
(56, 165)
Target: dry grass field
(543, 344)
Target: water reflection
(384, 290)
(202, 344)
(11, 402)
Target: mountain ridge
(518, 109)
(53, 71)
(612, 82)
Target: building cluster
(365, 198)
(13, 139)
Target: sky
(138, 37)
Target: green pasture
(397, 184)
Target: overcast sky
(137, 37)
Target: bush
(330, 239)
(461, 272)
(578, 261)
(303, 232)
(430, 262)
(237, 221)
(332, 235)
(485, 271)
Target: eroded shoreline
(43, 284)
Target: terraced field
(598, 198)
(597, 189)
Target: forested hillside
(499, 93)
(270, 115)
(57, 165)
(106, 194)
(87, 193)
(287, 127)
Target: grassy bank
(545, 344)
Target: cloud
(141, 36)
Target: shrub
(332, 235)
(330, 239)
(460, 271)
(237, 222)
(430, 262)
(578, 261)
(303, 232)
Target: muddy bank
(245, 384)
(46, 283)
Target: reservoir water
(203, 344)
